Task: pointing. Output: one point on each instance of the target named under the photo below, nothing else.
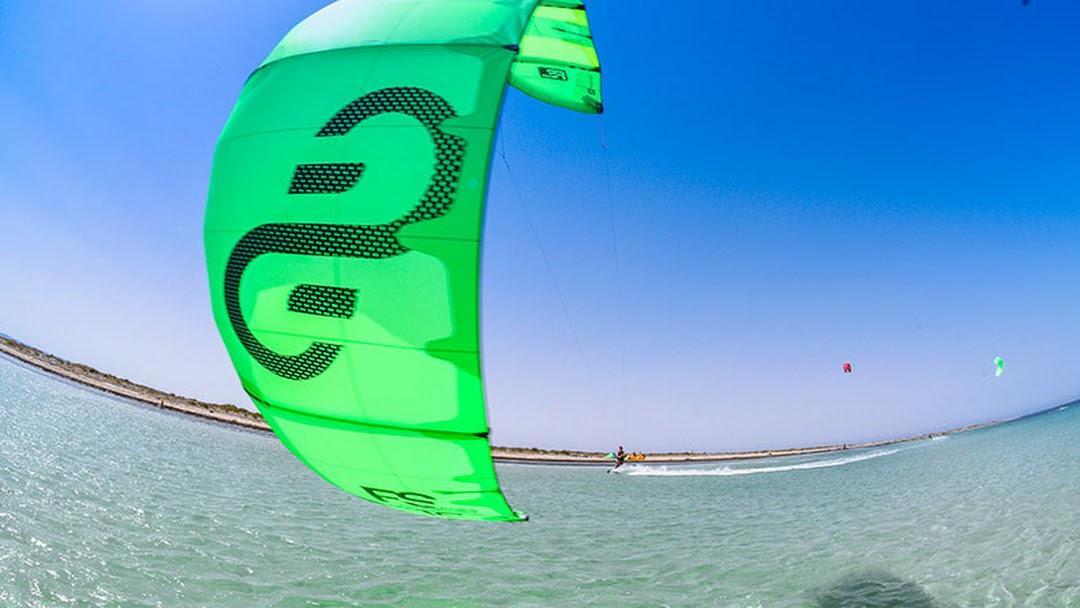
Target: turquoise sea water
(103, 502)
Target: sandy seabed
(231, 414)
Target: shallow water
(104, 502)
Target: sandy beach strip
(237, 416)
(88, 376)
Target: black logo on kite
(414, 501)
(553, 74)
(368, 241)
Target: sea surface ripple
(107, 503)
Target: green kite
(343, 229)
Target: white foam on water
(727, 470)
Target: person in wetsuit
(620, 457)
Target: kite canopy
(343, 229)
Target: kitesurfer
(620, 457)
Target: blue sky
(786, 186)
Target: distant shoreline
(237, 416)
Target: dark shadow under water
(872, 589)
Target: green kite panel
(557, 61)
